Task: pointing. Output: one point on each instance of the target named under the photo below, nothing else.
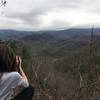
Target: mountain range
(47, 35)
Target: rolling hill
(48, 35)
(13, 34)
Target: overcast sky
(49, 14)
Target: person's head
(7, 59)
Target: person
(14, 84)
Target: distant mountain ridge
(13, 34)
(40, 35)
(63, 34)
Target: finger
(19, 59)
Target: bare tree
(92, 64)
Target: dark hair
(7, 59)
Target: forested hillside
(61, 68)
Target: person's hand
(19, 68)
(18, 61)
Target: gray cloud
(49, 14)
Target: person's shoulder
(17, 79)
(11, 77)
(14, 75)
